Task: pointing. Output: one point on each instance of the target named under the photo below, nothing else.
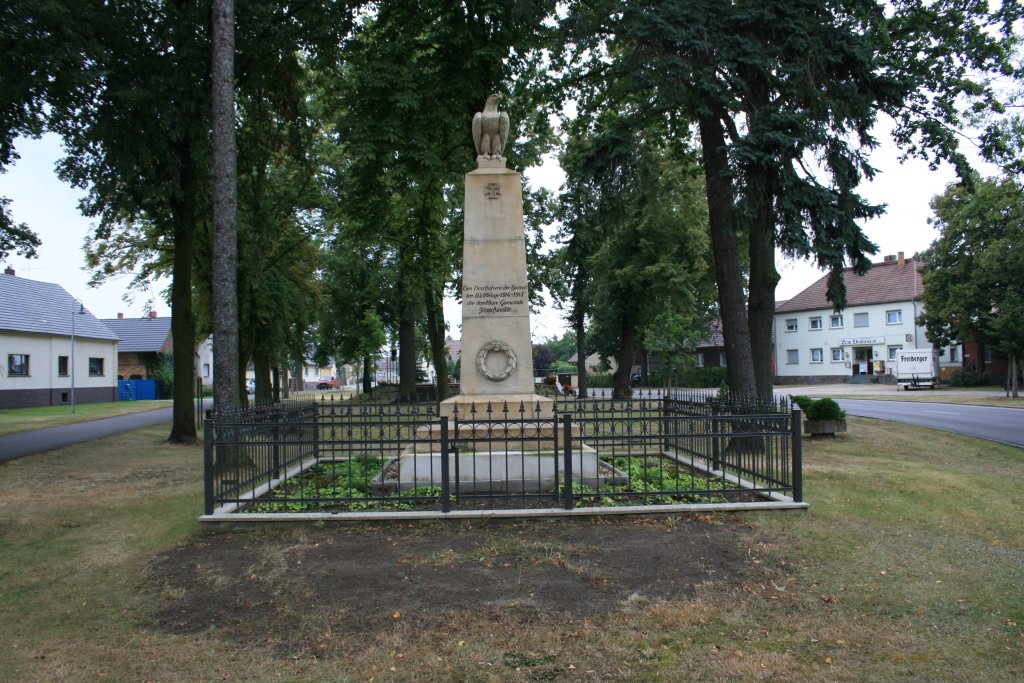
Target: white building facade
(52, 350)
(815, 344)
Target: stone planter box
(824, 427)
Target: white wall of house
(822, 343)
(95, 364)
(204, 361)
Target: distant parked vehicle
(327, 383)
(250, 386)
(916, 368)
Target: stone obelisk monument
(497, 353)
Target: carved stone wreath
(510, 360)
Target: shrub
(959, 378)
(825, 409)
(599, 381)
(805, 402)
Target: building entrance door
(862, 357)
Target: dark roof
(886, 282)
(45, 308)
(140, 334)
(714, 338)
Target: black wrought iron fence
(659, 449)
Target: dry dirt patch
(284, 587)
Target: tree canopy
(974, 272)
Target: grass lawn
(909, 566)
(22, 419)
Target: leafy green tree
(650, 222)
(562, 347)
(401, 102)
(15, 237)
(974, 272)
(358, 309)
(133, 108)
(770, 86)
(542, 360)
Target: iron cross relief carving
(492, 190)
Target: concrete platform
(509, 471)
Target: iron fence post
(208, 467)
(445, 483)
(569, 501)
(716, 439)
(798, 455)
(276, 449)
(316, 429)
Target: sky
(50, 208)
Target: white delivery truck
(917, 368)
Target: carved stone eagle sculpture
(490, 130)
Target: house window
(816, 323)
(894, 317)
(988, 357)
(954, 354)
(95, 367)
(62, 366)
(700, 359)
(206, 369)
(17, 365)
(837, 355)
(721, 359)
(792, 357)
(835, 321)
(817, 356)
(892, 352)
(790, 324)
(860, 319)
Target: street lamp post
(80, 311)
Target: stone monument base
(510, 471)
(474, 407)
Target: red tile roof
(885, 283)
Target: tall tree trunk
(406, 345)
(435, 335)
(627, 350)
(1013, 375)
(226, 381)
(183, 327)
(367, 376)
(183, 425)
(263, 366)
(725, 249)
(763, 280)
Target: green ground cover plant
(909, 565)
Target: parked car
(250, 386)
(327, 383)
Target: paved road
(41, 440)
(997, 424)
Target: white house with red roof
(816, 344)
